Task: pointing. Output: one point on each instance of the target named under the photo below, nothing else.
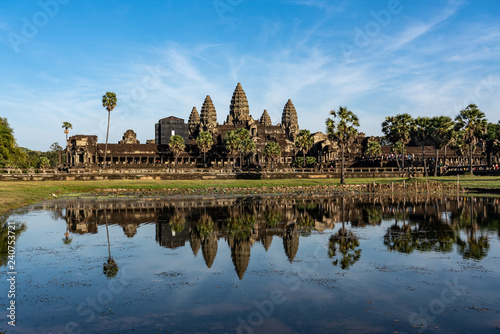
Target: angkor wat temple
(84, 150)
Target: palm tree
(232, 144)
(205, 142)
(272, 151)
(420, 133)
(66, 126)
(441, 134)
(373, 149)
(176, 145)
(304, 142)
(109, 102)
(342, 129)
(398, 129)
(243, 135)
(473, 123)
(247, 147)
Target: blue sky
(161, 58)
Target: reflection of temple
(424, 224)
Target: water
(257, 265)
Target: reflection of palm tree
(346, 243)
(67, 240)
(475, 247)
(110, 268)
(177, 224)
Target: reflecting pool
(255, 265)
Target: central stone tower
(239, 112)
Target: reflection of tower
(267, 239)
(291, 242)
(240, 254)
(209, 249)
(194, 241)
(130, 229)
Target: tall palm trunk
(304, 155)
(470, 159)
(425, 161)
(342, 176)
(436, 164)
(106, 146)
(107, 232)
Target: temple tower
(239, 112)
(193, 123)
(265, 119)
(289, 121)
(208, 117)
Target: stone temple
(84, 151)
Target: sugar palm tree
(66, 126)
(243, 135)
(398, 129)
(247, 147)
(109, 102)
(232, 144)
(272, 151)
(373, 149)
(342, 128)
(205, 142)
(176, 145)
(473, 123)
(441, 134)
(420, 133)
(304, 142)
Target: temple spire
(265, 119)
(289, 121)
(208, 115)
(239, 112)
(194, 123)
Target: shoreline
(15, 195)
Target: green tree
(398, 129)
(11, 155)
(55, 154)
(304, 142)
(473, 123)
(272, 151)
(232, 144)
(66, 126)
(420, 133)
(247, 147)
(342, 128)
(43, 163)
(441, 130)
(109, 102)
(176, 145)
(373, 148)
(243, 135)
(204, 142)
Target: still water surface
(258, 265)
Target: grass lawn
(17, 194)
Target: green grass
(17, 194)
